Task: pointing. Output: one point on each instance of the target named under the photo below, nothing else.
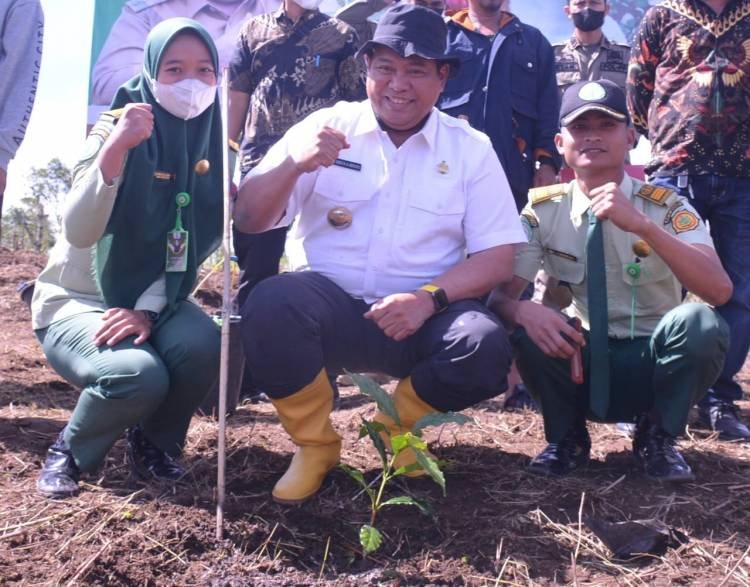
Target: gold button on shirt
(556, 227)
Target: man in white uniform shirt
(387, 197)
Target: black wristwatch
(438, 295)
(150, 315)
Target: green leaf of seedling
(373, 430)
(398, 443)
(357, 476)
(415, 441)
(402, 441)
(381, 397)
(423, 506)
(438, 419)
(431, 467)
(370, 538)
(377, 426)
(407, 469)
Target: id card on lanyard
(177, 239)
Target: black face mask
(588, 20)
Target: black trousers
(295, 324)
(258, 256)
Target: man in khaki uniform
(589, 55)
(626, 249)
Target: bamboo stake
(226, 310)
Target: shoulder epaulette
(105, 124)
(113, 114)
(652, 193)
(539, 195)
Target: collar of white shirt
(368, 123)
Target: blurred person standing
(589, 54)
(505, 86)
(21, 39)
(689, 94)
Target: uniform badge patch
(652, 193)
(676, 207)
(684, 220)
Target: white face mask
(185, 99)
(309, 4)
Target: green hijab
(131, 254)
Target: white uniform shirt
(417, 210)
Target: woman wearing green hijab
(111, 308)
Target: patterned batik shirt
(689, 88)
(291, 70)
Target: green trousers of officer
(666, 373)
(157, 384)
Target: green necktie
(598, 320)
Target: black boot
(724, 418)
(149, 461)
(560, 458)
(60, 474)
(519, 399)
(655, 450)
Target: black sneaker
(60, 474)
(520, 399)
(724, 418)
(255, 397)
(561, 458)
(655, 451)
(149, 461)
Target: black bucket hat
(409, 30)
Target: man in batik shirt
(287, 64)
(689, 93)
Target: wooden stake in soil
(226, 309)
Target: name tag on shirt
(348, 164)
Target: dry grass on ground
(497, 525)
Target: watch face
(441, 299)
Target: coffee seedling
(370, 537)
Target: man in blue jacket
(505, 87)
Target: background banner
(121, 26)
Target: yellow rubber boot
(305, 417)
(410, 408)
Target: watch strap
(438, 295)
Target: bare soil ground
(496, 526)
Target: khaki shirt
(67, 285)
(556, 223)
(574, 64)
